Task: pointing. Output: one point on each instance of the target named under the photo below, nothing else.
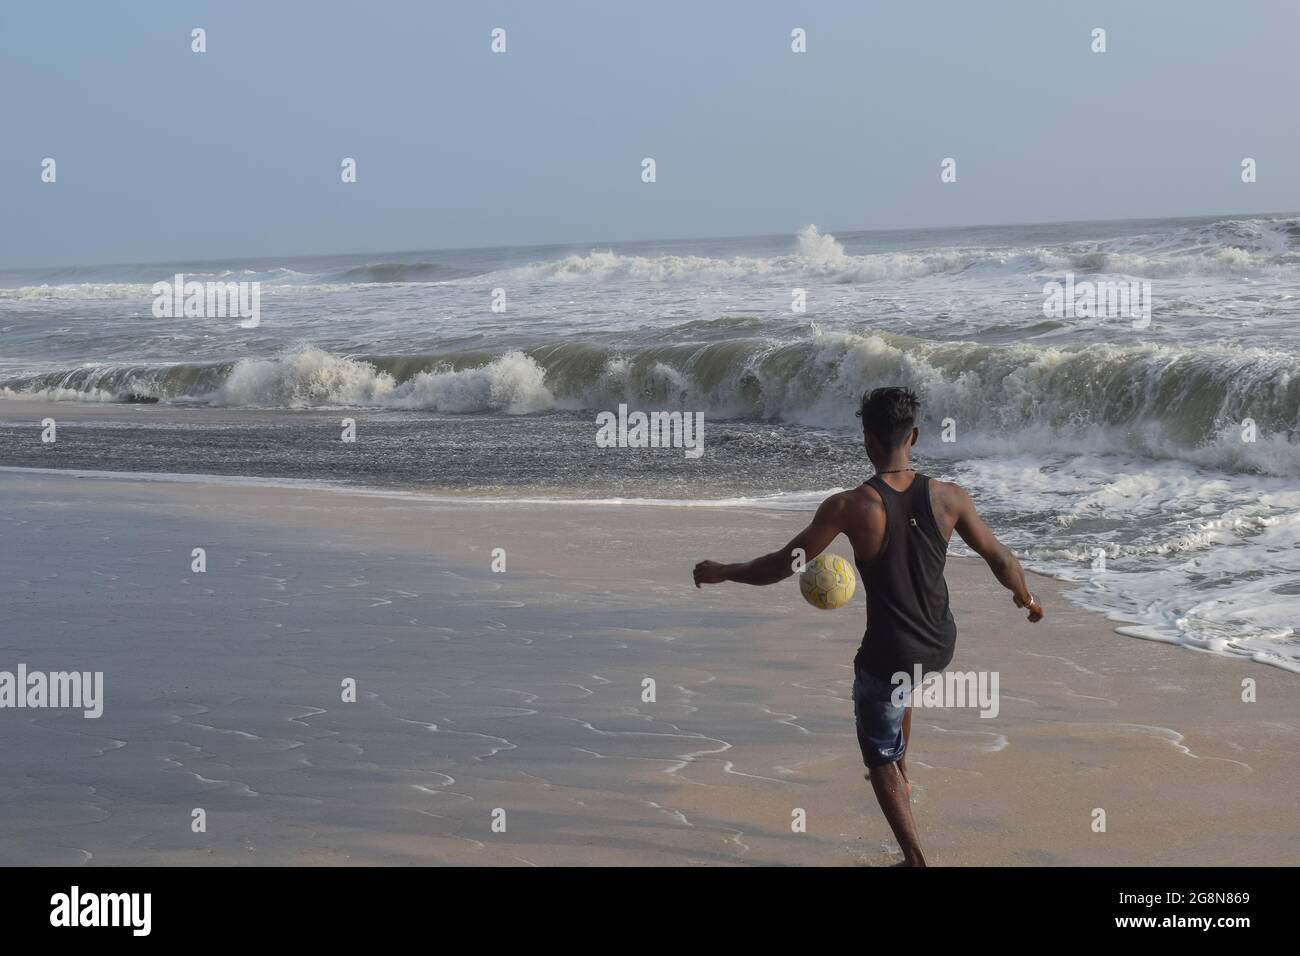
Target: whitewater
(1153, 468)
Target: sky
(164, 154)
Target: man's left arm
(779, 565)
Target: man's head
(888, 422)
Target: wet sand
(523, 692)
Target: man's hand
(779, 565)
(710, 572)
(1035, 609)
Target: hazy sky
(167, 154)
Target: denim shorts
(879, 720)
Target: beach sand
(522, 692)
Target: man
(899, 523)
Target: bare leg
(907, 739)
(891, 792)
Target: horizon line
(675, 239)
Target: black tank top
(908, 618)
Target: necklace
(893, 471)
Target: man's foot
(892, 794)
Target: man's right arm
(997, 555)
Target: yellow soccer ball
(828, 582)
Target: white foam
(307, 377)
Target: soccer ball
(828, 582)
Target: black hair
(889, 414)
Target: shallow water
(1171, 449)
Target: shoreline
(781, 502)
(440, 496)
(524, 691)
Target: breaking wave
(1193, 403)
(1227, 247)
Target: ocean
(1152, 465)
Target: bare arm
(779, 565)
(997, 555)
